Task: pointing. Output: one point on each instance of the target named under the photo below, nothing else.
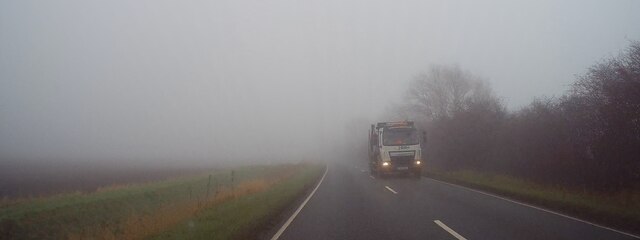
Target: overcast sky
(202, 80)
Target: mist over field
(205, 82)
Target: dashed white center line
(372, 177)
(446, 228)
(390, 189)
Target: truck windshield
(395, 137)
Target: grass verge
(135, 211)
(244, 217)
(620, 210)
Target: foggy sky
(264, 80)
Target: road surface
(351, 204)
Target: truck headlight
(385, 163)
(418, 162)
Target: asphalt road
(351, 204)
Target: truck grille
(402, 160)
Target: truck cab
(395, 147)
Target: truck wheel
(374, 172)
(381, 175)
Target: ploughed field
(19, 179)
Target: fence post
(217, 186)
(233, 173)
(208, 187)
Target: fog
(266, 81)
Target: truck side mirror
(424, 137)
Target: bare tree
(445, 90)
(460, 112)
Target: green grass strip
(56, 216)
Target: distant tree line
(588, 138)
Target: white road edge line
(446, 228)
(372, 177)
(539, 208)
(388, 188)
(286, 224)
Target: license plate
(403, 168)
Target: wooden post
(208, 187)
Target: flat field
(30, 178)
(221, 204)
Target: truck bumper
(399, 169)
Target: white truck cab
(395, 147)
